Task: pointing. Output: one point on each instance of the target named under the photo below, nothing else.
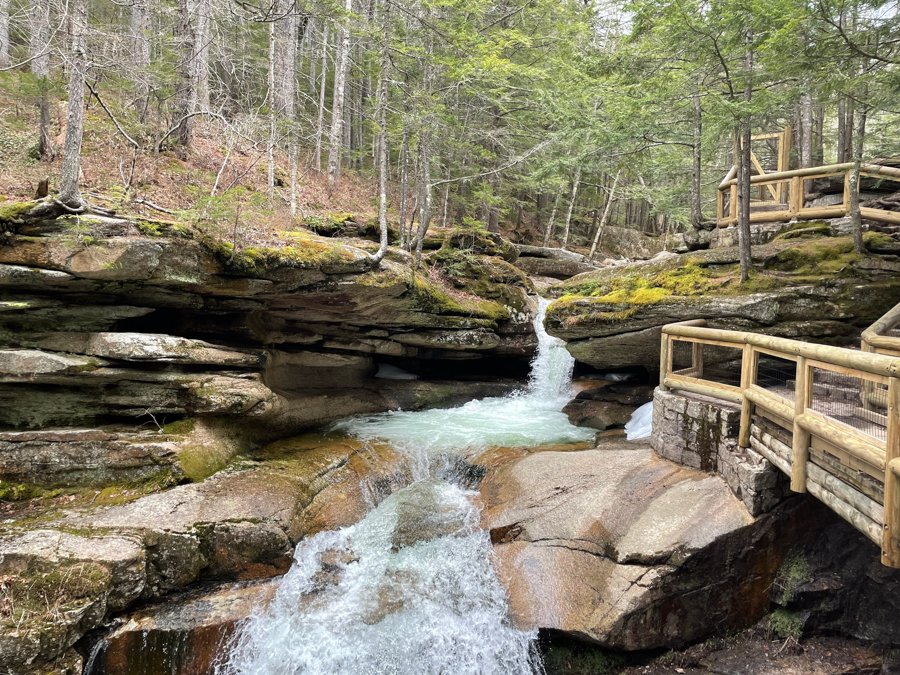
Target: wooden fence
(781, 195)
(828, 417)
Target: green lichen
(200, 461)
(305, 254)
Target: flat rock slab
(623, 548)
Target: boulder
(598, 414)
(630, 551)
(630, 243)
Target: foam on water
(410, 589)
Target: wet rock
(631, 551)
(599, 415)
(185, 636)
(423, 514)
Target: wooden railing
(780, 196)
(883, 336)
(838, 411)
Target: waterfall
(410, 589)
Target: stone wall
(701, 433)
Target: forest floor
(207, 185)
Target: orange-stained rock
(625, 549)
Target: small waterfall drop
(410, 589)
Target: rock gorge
(156, 386)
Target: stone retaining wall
(701, 433)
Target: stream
(410, 589)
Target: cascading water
(410, 589)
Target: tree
(341, 70)
(70, 180)
(4, 34)
(40, 68)
(140, 35)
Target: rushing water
(410, 589)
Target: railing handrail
(875, 364)
(775, 176)
(874, 334)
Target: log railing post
(734, 205)
(720, 206)
(697, 360)
(664, 361)
(795, 198)
(800, 445)
(748, 377)
(890, 547)
(847, 193)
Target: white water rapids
(410, 589)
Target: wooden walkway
(808, 194)
(828, 417)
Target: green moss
(12, 213)
(199, 462)
(15, 492)
(305, 254)
(179, 427)
(784, 624)
(805, 230)
(876, 241)
(791, 575)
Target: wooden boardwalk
(828, 417)
(808, 194)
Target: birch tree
(4, 34)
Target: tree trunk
(858, 149)
(742, 159)
(40, 67)
(404, 185)
(140, 62)
(575, 181)
(818, 136)
(70, 180)
(598, 237)
(320, 124)
(342, 67)
(270, 177)
(382, 139)
(806, 131)
(186, 91)
(201, 54)
(285, 60)
(696, 196)
(4, 34)
(425, 197)
(548, 233)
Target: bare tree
(186, 90)
(575, 181)
(4, 33)
(40, 67)
(70, 180)
(200, 20)
(140, 52)
(382, 138)
(341, 70)
(548, 233)
(320, 123)
(696, 196)
(598, 237)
